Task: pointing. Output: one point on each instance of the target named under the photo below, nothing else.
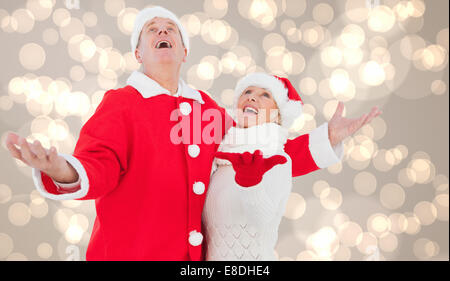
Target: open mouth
(250, 110)
(163, 44)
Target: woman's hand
(36, 156)
(249, 167)
(340, 127)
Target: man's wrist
(64, 173)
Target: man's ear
(185, 54)
(137, 54)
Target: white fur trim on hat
(149, 13)
(289, 109)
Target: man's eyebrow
(153, 22)
(149, 23)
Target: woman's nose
(252, 98)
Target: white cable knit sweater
(242, 223)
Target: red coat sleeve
(313, 151)
(101, 153)
(103, 145)
(302, 160)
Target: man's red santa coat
(149, 192)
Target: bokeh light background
(387, 200)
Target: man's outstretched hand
(36, 156)
(340, 127)
(249, 167)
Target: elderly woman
(252, 176)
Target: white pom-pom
(289, 112)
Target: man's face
(160, 43)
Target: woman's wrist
(331, 137)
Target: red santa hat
(149, 13)
(288, 100)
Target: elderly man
(148, 182)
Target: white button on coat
(185, 108)
(195, 238)
(193, 150)
(199, 188)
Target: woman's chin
(245, 123)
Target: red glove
(250, 168)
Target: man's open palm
(36, 156)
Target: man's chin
(165, 59)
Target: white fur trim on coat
(322, 152)
(148, 87)
(289, 109)
(153, 12)
(269, 138)
(84, 181)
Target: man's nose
(252, 98)
(162, 30)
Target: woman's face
(256, 106)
